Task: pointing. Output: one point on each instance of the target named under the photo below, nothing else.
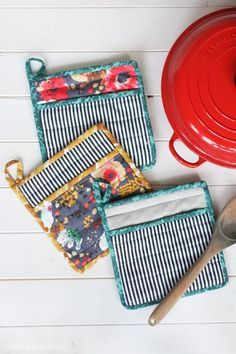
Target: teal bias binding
(31, 78)
(88, 68)
(41, 75)
(29, 71)
(150, 134)
(103, 204)
(97, 190)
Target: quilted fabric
(60, 196)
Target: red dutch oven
(199, 89)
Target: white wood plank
(109, 29)
(174, 339)
(14, 82)
(16, 219)
(230, 260)
(37, 258)
(86, 302)
(221, 3)
(18, 115)
(102, 3)
(166, 171)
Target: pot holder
(60, 196)
(68, 103)
(156, 237)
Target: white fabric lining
(153, 208)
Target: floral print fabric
(65, 206)
(113, 79)
(73, 218)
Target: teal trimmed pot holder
(156, 237)
(68, 103)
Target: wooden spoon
(224, 236)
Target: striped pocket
(60, 196)
(123, 116)
(155, 238)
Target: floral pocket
(59, 193)
(113, 78)
(68, 103)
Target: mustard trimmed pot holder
(67, 103)
(156, 237)
(60, 196)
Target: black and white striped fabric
(123, 116)
(152, 260)
(67, 167)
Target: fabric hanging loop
(31, 74)
(19, 172)
(97, 190)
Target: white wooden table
(44, 305)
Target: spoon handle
(175, 294)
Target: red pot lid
(199, 88)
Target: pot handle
(199, 162)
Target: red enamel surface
(199, 88)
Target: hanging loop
(32, 74)
(19, 172)
(98, 192)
